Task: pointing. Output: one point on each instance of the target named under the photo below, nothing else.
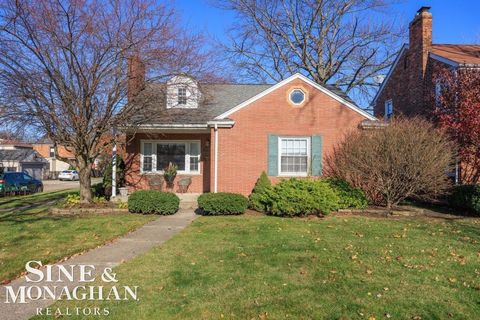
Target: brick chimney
(136, 76)
(421, 37)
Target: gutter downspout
(215, 178)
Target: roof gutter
(182, 126)
(221, 123)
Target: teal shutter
(272, 155)
(317, 150)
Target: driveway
(57, 185)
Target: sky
(454, 21)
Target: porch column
(114, 165)
(215, 171)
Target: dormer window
(183, 92)
(182, 96)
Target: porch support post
(215, 177)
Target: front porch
(149, 153)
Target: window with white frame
(388, 109)
(294, 155)
(156, 155)
(297, 96)
(182, 95)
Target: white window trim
(187, 156)
(387, 102)
(309, 156)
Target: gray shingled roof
(22, 155)
(218, 98)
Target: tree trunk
(84, 172)
(389, 207)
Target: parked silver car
(70, 175)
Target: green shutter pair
(316, 160)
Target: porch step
(188, 200)
(188, 205)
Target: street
(56, 185)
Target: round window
(297, 96)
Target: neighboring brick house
(409, 86)
(222, 136)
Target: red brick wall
(395, 89)
(136, 180)
(243, 148)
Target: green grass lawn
(338, 268)
(36, 201)
(31, 233)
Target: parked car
(19, 183)
(68, 175)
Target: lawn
(29, 232)
(249, 267)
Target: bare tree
(408, 158)
(342, 42)
(63, 67)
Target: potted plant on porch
(169, 174)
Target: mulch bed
(400, 212)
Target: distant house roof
(21, 155)
(459, 53)
(217, 100)
(14, 144)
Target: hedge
(294, 197)
(466, 197)
(222, 203)
(348, 196)
(153, 201)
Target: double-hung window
(294, 156)
(156, 156)
(147, 156)
(182, 95)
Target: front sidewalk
(110, 255)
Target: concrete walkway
(110, 255)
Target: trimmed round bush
(153, 202)
(295, 197)
(222, 203)
(466, 197)
(348, 196)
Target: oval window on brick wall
(297, 96)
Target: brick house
(222, 136)
(409, 86)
